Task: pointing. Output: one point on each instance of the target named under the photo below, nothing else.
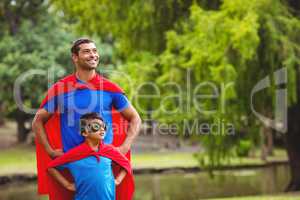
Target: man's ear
(74, 57)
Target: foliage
(132, 25)
(240, 43)
(243, 149)
(13, 13)
(136, 78)
(43, 47)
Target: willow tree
(242, 43)
(132, 25)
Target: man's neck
(94, 144)
(85, 75)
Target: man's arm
(39, 120)
(131, 115)
(61, 179)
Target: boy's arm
(120, 176)
(61, 179)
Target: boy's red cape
(46, 185)
(84, 150)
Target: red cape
(46, 185)
(84, 150)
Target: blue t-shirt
(72, 105)
(93, 180)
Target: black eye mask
(95, 126)
(91, 127)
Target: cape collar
(98, 82)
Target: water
(186, 186)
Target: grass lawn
(185, 159)
(292, 196)
(21, 159)
(162, 160)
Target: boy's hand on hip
(71, 187)
(117, 182)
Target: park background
(189, 67)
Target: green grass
(162, 160)
(21, 159)
(292, 196)
(185, 159)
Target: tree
(132, 25)
(243, 42)
(44, 47)
(12, 13)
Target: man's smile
(93, 61)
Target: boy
(90, 163)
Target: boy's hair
(75, 46)
(86, 117)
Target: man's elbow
(36, 122)
(40, 119)
(138, 122)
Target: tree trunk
(1, 113)
(22, 130)
(293, 139)
(267, 142)
(293, 147)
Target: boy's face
(96, 130)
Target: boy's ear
(83, 128)
(82, 125)
(84, 134)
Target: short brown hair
(75, 46)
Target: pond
(186, 186)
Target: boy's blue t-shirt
(93, 180)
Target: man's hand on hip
(56, 153)
(123, 149)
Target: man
(55, 123)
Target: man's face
(88, 57)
